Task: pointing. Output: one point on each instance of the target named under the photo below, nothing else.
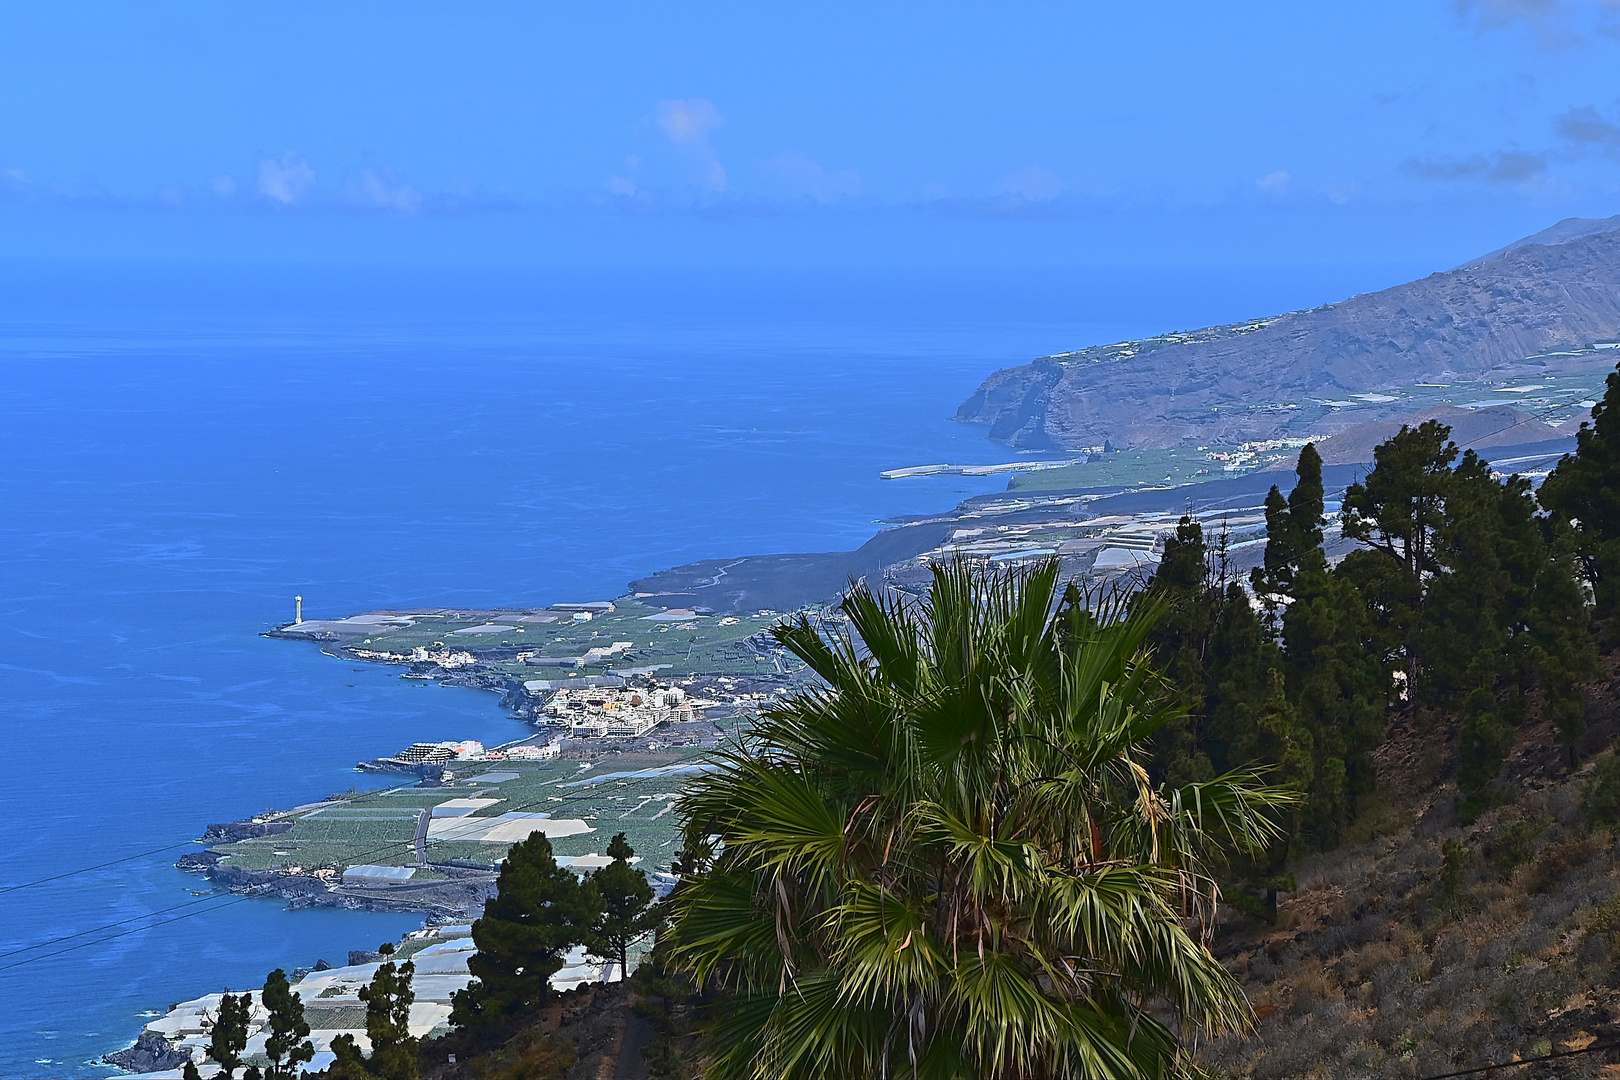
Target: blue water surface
(182, 449)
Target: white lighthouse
(298, 610)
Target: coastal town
(586, 542)
(432, 845)
(623, 698)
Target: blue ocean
(185, 448)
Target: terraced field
(629, 793)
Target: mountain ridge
(1494, 318)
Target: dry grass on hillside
(589, 1033)
(1424, 946)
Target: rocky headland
(1532, 309)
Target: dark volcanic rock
(1261, 379)
(232, 832)
(198, 860)
(151, 1053)
(785, 582)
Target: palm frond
(949, 860)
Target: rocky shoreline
(461, 897)
(151, 1053)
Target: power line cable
(113, 925)
(126, 933)
(97, 866)
(188, 843)
(1593, 1049)
(152, 914)
(161, 911)
(226, 900)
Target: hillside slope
(1265, 378)
(1385, 963)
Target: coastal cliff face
(1263, 378)
(151, 1053)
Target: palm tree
(948, 860)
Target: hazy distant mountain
(1482, 429)
(1271, 377)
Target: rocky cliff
(1492, 318)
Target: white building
(530, 752)
(617, 712)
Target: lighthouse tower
(298, 610)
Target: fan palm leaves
(948, 860)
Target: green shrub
(1555, 861)
(1484, 745)
(1453, 874)
(1513, 845)
(1600, 800)
(1606, 918)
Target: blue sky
(951, 134)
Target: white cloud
(1033, 184)
(618, 185)
(1502, 167)
(1490, 14)
(403, 199)
(801, 175)
(224, 186)
(1587, 129)
(1555, 24)
(688, 121)
(285, 181)
(1275, 183)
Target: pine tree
(350, 1063)
(1293, 528)
(1397, 512)
(1184, 566)
(228, 1037)
(388, 1013)
(663, 997)
(1391, 599)
(1259, 726)
(539, 911)
(1584, 491)
(1181, 642)
(1506, 614)
(1333, 673)
(1566, 653)
(1307, 503)
(1241, 660)
(1269, 579)
(1214, 649)
(394, 1053)
(288, 1045)
(1485, 556)
(1337, 682)
(697, 852)
(189, 1071)
(1249, 704)
(1486, 740)
(625, 896)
